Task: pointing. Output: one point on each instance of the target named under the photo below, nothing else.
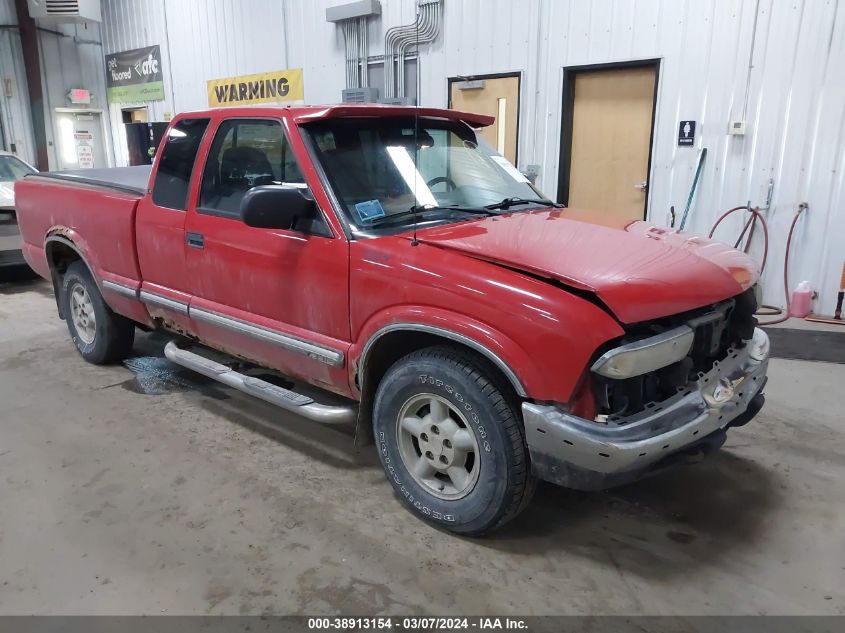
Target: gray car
(12, 168)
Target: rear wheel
(100, 335)
(451, 441)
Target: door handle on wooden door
(642, 186)
(194, 240)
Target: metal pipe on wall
(424, 30)
(363, 50)
(351, 60)
(390, 37)
(356, 47)
(429, 28)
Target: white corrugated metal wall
(15, 116)
(795, 88)
(71, 56)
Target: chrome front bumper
(583, 453)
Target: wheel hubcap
(437, 446)
(82, 313)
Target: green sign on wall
(135, 75)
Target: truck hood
(639, 271)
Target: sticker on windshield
(369, 210)
(513, 172)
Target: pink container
(802, 299)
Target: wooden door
(497, 97)
(611, 140)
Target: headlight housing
(645, 355)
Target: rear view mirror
(276, 207)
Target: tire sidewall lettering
(480, 416)
(388, 463)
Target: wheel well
(60, 255)
(392, 346)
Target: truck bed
(92, 208)
(126, 179)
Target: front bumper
(589, 455)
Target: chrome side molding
(325, 355)
(125, 291)
(319, 353)
(278, 396)
(163, 302)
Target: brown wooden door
(611, 140)
(497, 97)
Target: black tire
(113, 334)
(504, 483)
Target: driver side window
(245, 153)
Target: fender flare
(55, 237)
(61, 239)
(509, 373)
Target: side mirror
(276, 207)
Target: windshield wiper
(507, 203)
(421, 209)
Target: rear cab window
(176, 163)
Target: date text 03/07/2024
(416, 623)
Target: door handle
(195, 240)
(642, 186)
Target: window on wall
(245, 153)
(176, 163)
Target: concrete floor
(159, 493)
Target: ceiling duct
(58, 11)
(399, 39)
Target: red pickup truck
(483, 336)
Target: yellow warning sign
(272, 87)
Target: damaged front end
(668, 390)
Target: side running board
(279, 396)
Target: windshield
(383, 174)
(13, 168)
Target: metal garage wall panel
(317, 47)
(71, 57)
(14, 110)
(793, 113)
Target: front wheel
(100, 335)
(451, 442)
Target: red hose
(756, 215)
(772, 310)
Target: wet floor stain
(684, 538)
(156, 376)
